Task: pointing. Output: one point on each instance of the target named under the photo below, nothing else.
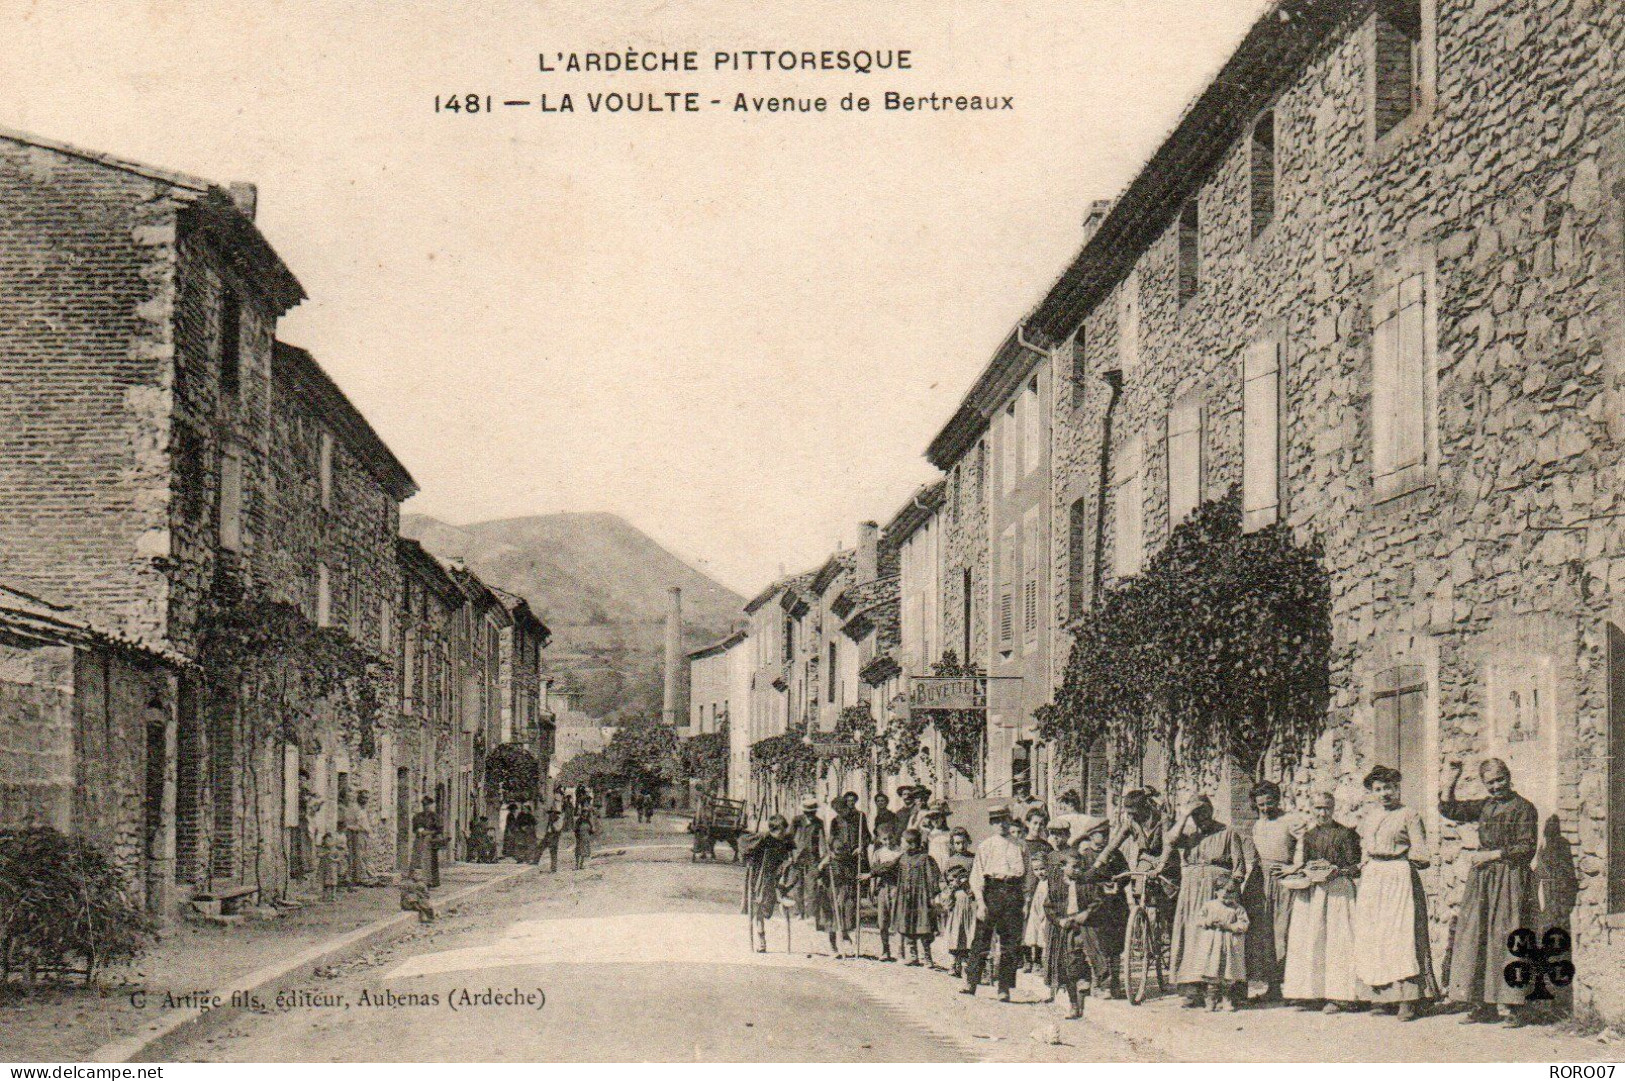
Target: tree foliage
(512, 773)
(644, 752)
(705, 757)
(64, 906)
(1220, 646)
(786, 759)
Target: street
(642, 956)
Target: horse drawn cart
(716, 819)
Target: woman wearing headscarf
(1391, 947)
(1209, 853)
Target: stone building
(84, 739)
(1372, 280)
(138, 307)
(328, 548)
(965, 556)
(525, 716)
(996, 451)
(771, 628)
(427, 758)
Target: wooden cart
(716, 819)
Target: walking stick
(750, 905)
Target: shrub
(63, 907)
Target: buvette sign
(948, 692)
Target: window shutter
(1128, 321)
(1261, 438)
(1184, 458)
(1410, 399)
(1029, 583)
(1007, 586)
(1078, 557)
(231, 500)
(1032, 437)
(1130, 535)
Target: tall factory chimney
(671, 708)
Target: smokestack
(868, 557)
(246, 196)
(671, 711)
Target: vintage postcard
(925, 531)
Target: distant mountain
(600, 585)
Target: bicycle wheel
(1139, 956)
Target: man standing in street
(848, 840)
(550, 839)
(426, 843)
(358, 832)
(584, 832)
(996, 883)
(808, 835)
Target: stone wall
(36, 737)
(1498, 187)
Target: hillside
(600, 584)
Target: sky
(737, 331)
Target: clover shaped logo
(1540, 963)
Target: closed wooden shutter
(1400, 728)
(1261, 434)
(1130, 525)
(1184, 458)
(1029, 574)
(1007, 588)
(1399, 393)
(1078, 557)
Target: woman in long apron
(1320, 955)
(1209, 852)
(1391, 945)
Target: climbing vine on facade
(1220, 646)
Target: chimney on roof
(868, 557)
(246, 196)
(1097, 214)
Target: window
(1007, 589)
(1096, 778)
(1401, 394)
(1616, 769)
(1032, 428)
(324, 597)
(1263, 172)
(1009, 438)
(832, 659)
(1078, 374)
(953, 494)
(1261, 435)
(231, 500)
(1130, 538)
(231, 343)
(1184, 458)
(1077, 550)
(324, 466)
(1397, 67)
(1190, 250)
(981, 470)
(1399, 737)
(1029, 576)
(1128, 321)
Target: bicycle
(1142, 946)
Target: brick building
(139, 310)
(1373, 280)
